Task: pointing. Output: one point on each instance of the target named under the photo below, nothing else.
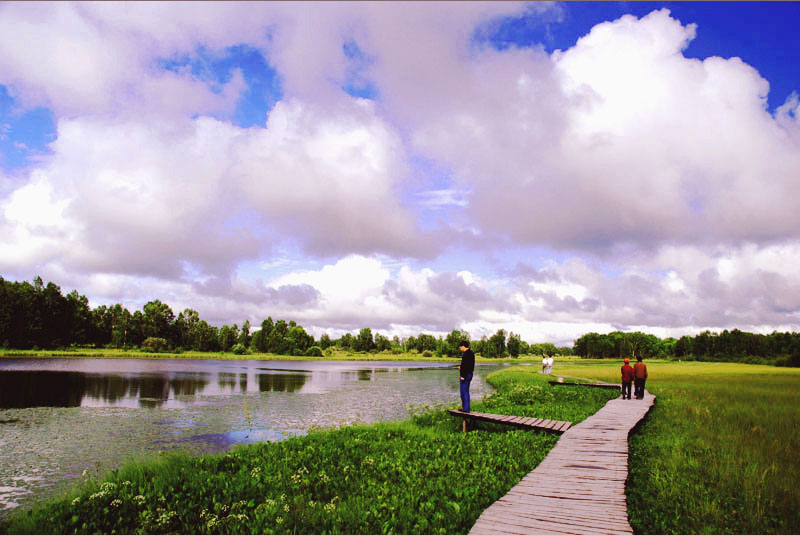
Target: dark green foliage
(155, 344)
(733, 346)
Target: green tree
(346, 341)
(325, 341)
(514, 345)
(297, 341)
(258, 341)
(382, 343)
(244, 334)
(158, 320)
(78, 307)
(498, 343)
(228, 336)
(452, 342)
(364, 342)
(426, 342)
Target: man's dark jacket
(467, 363)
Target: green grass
(719, 452)
(422, 476)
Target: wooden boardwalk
(520, 422)
(579, 488)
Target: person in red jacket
(627, 379)
(639, 377)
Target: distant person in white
(550, 365)
(544, 364)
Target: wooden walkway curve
(520, 422)
(579, 488)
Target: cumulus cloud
(664, 179)
(90, 58)
(143, 198)
(619, 140)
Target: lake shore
(107, 353)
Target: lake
(65, 419)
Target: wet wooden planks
(520, 422)
(579, 488)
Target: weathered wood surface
(520, 422)
(579, 488)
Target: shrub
(314, 351)
(427, 353)
(239, 349)
(155, 344)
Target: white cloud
(619, 140)
(90, 58)
(666, 177)
(142, 197)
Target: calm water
(61, 417)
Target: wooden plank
(588, 517)
(514, 420)
(534, 526)
(537, 526)
(607, 524)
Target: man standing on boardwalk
(639, 376)
(627, 379)
(466, 368)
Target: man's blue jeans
(465, 392)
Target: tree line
(780, 348)
(38, 316)
(35, 315)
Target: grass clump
(422, 476)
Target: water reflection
(172, 385)
(283, 382)
(26, 389)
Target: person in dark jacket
(627, 379)
(466, 368)
(639, 377)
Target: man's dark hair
(639, 357)
(465, 344)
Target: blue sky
(544, 168)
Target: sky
(549, 169)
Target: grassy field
(720, 451)
(422, 476)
